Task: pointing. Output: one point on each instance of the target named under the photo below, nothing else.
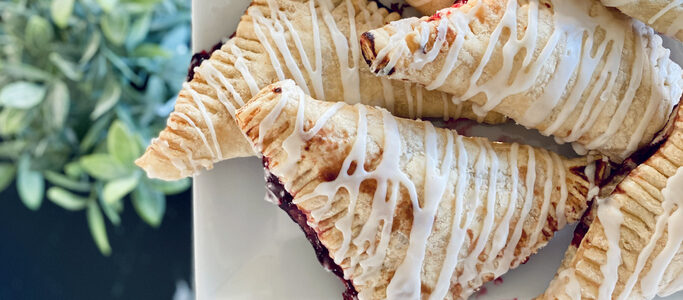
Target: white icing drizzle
(409, 98)
(457, 236)
(294, 141)
(446, 159)
(671, 197)
(547, 191)
(470, 271)
(664, 10)
(571, 23)
(209, 73)
(207, 119)
(388, 90)
(175, 161)
(199, 131)
(670, 219)
(406, 280)
(530, 182)
(349, 74)
(503, 231)
(277, 34)
(611, 218)
(593, 189)
(258, 18)
(242, 67)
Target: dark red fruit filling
(277, 190)
(199, 57)
(439, 14)
(459, 3)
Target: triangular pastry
(400, 209)
(632, 250)
(665, 16)
(572, 69)
(313, 42)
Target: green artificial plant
(84, 84)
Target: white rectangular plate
(247, 248)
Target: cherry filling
(277, 190)
(199, 57)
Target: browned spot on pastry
(579, 171)
(367, 46)
(352, 168)
(329, 174)
(424, 289)
(552, 223)
(368, 186)
(277, 90)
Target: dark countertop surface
(50, 254)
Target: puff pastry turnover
(572, 69)
(665, 16)
(632, 250)
(400, 209)
(313, 42)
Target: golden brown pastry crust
(640, 199)
(429, 7)
(321, 163)
(201, 129)
(613, 103)
(665, 16)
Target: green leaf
(151, 50)
(7, 172)
(13, 121)
(146, 2)
(61, 11)
(11, 149)
(66, 199)
(25, 71)
(116, 189)
(22, 94)
(115, 26)
(170, 187)
(121, 144)
(149, 204)
(139, 30)
(107, 5)
(91, 48)
(110, 96)
(103, 166)
(127, 72)
(30, 184)
(66, 182)
(111, 212)
(70, 69)
(58, 103)
(98, 229)
(38, 33)
(74, 169)
(94, 133)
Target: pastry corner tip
(156, 167)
